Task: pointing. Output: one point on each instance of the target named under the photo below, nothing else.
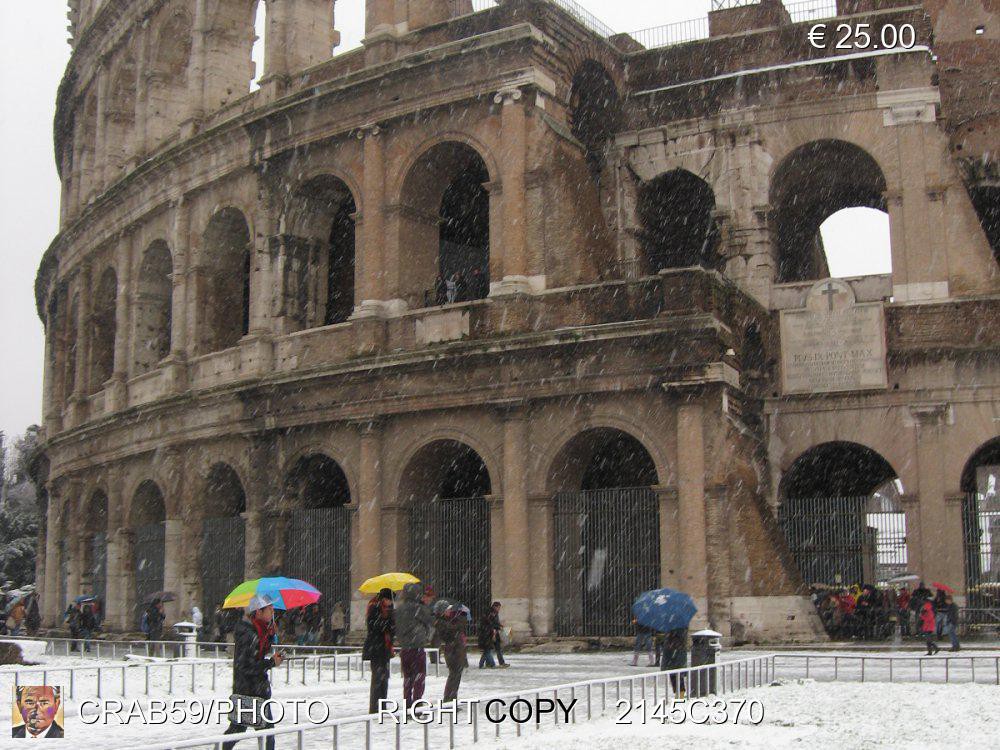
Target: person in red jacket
(928, 627)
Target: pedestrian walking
(903, 611)
(951, 622)
(643, 642)
(337, 623)
(88, 623)
(414, 622)
(254, 636)
(928, 626)
(378, 646)
(939, 607)
(498, 635)
(486, 638)
(219, 620)
(154, 621)
(675, 656)
(449, 625)
(72, 619)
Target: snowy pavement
(800, 711)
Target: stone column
(140, 142)
(542, 613)
(366, 561)
(53, 532)
(513, 165)
(910, 503)
(691, 504)
(369, 289)
(101, 170)
(264, 539)
(173, 562)
(516, 529)
(114, 605)
(197, 67)
(942, 552)
(78, 400)
(253, 547)
(127, 618)
(719, 587)
(380, 30)
(117, 390)
(669, 536)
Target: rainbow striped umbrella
(286, 593)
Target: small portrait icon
(37, 712)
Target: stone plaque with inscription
(834, 343)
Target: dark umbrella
(161, 596)
(84, 598)
(664, 609)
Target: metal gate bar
(449, 547)
(981, 527)
(318, 550)
(150, 544)
(607, 552)
(223, 544)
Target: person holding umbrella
(378, 646)
(669, 612)
(253, 637)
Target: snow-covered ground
(844, 715)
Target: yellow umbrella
(393, 581)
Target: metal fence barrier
(916, 668)
(592, 698)
(99, 648)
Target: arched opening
(606, 531)
(318, 534)
(981, 527)
(226, 298)
(147, 519)
(119, 115)
(810, 185)
(842, 517)
(223, 536)
(595, 111)
(319, 254)
(445, 227)
(679, 228)
(153, 308)
(258, 52)
(104, 328)
(986, 201)
(856, 242)
(166, 86)
(95, 547)
(444, 490)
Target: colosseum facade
(533, 309)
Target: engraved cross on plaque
(830, 292)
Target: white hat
(259, 602)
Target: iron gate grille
(149, 561)
(318, 550)
(449, 547)
(607, 552)
(981, 523)
(838, 541)
(99, 571)
(222, 559)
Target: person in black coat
(675, 656)
(378, 646)
(253, 638)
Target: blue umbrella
(84, 598)
(664, 609)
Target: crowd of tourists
(867, 612)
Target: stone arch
(222, 552)
(606, 530)
(444, 211)
(809, 185)
(314, 480)
(988, 454)
(842, 516)
(153, 307)
(318, 244)
(226, 259)
(146, 555)
(104, 329)
(409, 452)
(119, 114)
(676, 211)
(147, 504)
(595, 110)
(94, 528)
(224, 494)
(444, 470)
(168, 68)
(981, 525)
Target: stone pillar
(691, 504)
(101, 170)
(53, 532)
(366, 561)
(516, 529)
(717, 511)
(197, 67)
(914, 544)
(114, 606)
(669, 536)
(127, 618)
(542, 613)
(140, 138)
(300, 34)
(117, 390)
(513, 165)
(380, 30)
(942, 552)
(264, 541)
(173, 566)
(253, 546)
(78, 400)
(369, 289)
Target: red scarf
(264, 632)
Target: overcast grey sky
(33, 56)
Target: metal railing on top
(592, 698)
(162, 649)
